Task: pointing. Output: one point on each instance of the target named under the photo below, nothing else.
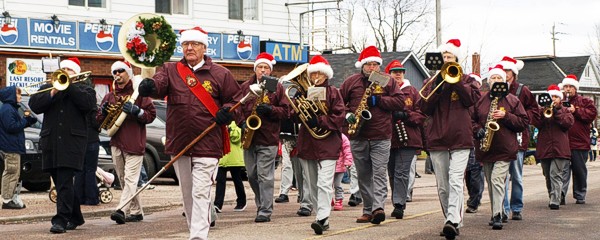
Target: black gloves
(480, 133)
(373, 100)
(224, 117)
(264, 109)
(399, 115)
(312, 122)
(147, 87)
(31, 120)
(105, 107)
(131, 109)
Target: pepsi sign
(245, 49)
(93, 38)
(14, 33)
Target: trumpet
(548, 111)
(61, 80)
(451, 72)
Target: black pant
(67, 205)
(236, 176)
(474, 181)
(86, 186)
(579, 170)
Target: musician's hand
(53, 92)
(264, 109)
(373, 100)
(147, 87)
(498, 114)
(131, 109)
(571, 108)
(351, 118)
(30, 119)
(312, 121)
(399, 115)
(105, 108)
(480, 133)
(224, 117)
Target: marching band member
(551, 148)
(371, 146)
(584, 111)
(200, 93)
(406, 125)
(474, 176)
(445, 140)
(510, 115)
(129, 142)
(319, 156)
(515, 203)
(63, 141)
(260, 156)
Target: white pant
(287, 172)
(319, 176)
(449, 168)
(196, 177)
(128, 168)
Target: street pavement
(423, 218)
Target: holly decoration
(148, 51)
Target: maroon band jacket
(413, 123)
(553, 134)
(585, 113)
(531, 107)
(504, 145)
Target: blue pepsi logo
(9, 34)
(244, 50)
(104, 40)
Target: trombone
(60, 80)
(451, 72)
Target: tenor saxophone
(362, 112)
(491, 126)
(253, 123)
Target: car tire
(149, 164)
(37, 186)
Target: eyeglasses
(120, 70)
(194, 44)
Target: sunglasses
(120, 70)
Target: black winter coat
(63, 138)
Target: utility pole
(438, 22)
(554, 33)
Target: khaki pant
(449, 168)
(495, 174)
(128, 167)
(319, 176)
(10, 176)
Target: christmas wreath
(143, 38)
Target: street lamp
(55, 20)
(7, 17)
(104, 25)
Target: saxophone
(253, 123)
(491, 126)
(362, 112)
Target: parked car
(34, 179)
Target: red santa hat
(369, 54)
(497, 70)
(476, 77)
(124, 65)
(512, 64)
(196, 34)
(319, 64)
(452, 46)
(554, 90)
(570, 80)
(264, 57)
(395, 65)
(71, 63)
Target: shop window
(243, 9)
(88, 3)
(171, 6)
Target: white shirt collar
(199, 65)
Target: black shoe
(261, 218)
(213, 223)
(134, 218)
(580, 201)
(378, 216)
(471, 210)
(450, 230)
(320, 226)
(398, 212)
(517, 216)
(562, 200)
(282, 198)
(12, 205)
(417, 175)
(72, 226)
(217, 209)
(504, 218)
(56, 228)
(457, 233)
(354, 201)
(305, 212)
(118, 216)
(554, 206)
(497, 222)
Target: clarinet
(401, 131)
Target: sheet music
(316, 94)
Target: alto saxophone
(491, 126)
(253, 123)
(361, 113)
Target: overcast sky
(496, 28)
